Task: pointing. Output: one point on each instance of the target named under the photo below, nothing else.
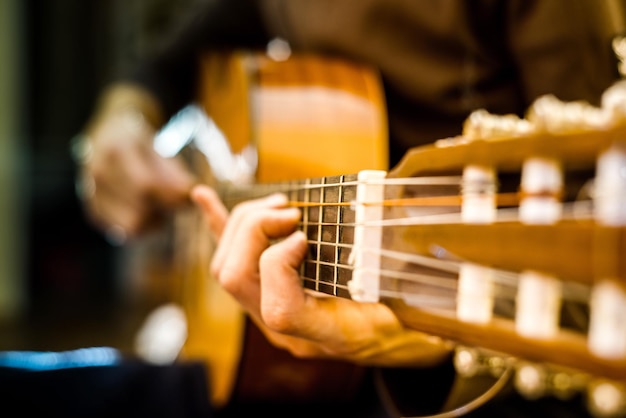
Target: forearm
(547, 50)
(128, 97)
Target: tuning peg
(534, 381)
(531, 381)
(470, 362)
(606, 399)
(481, 124)
(549, 114)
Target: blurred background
(62, 285)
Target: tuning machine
(534, 381)
(470, 362)
(606, 399)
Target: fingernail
(196, 192)
(298, 239)
(277, 199)
(292, 213)
(300, 235)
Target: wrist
(132, 102)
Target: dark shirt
(439, 59)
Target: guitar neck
(453, 239)
(423, 244)
(328, 219)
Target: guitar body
(506, 243)
(303, 117)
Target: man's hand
(264, 278)
(125, 185)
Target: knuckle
(214, 271)
(242, 213)
(270, 258)
(279, 320)
(229, 280)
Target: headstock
(522, 260)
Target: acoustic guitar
(269, 121)
(508, 243)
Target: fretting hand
(264, 278)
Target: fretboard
(327, 219)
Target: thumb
(175, 180)
(282, 294)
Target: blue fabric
(127, 388)
(51, 360)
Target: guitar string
(579, 210)
(572, 210)
(507, 280)
(442, 296)
(233, 194)
(240, 192)
(311, 184)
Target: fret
(414, 238)
(328, 220)
(329, 226)
(322, 269)
(305, 197)
(294, 191)
(331, 218)
(346, 236)
(313, 232)
(327, 230)
(337, 235)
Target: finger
(213, 210)
(239, 250)
(367, 333)
(122, 196)
(109, 210)
(171, 182)
(283, 298)
(288, 309)
(237, 261)
(129, 173)
(238, 217)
